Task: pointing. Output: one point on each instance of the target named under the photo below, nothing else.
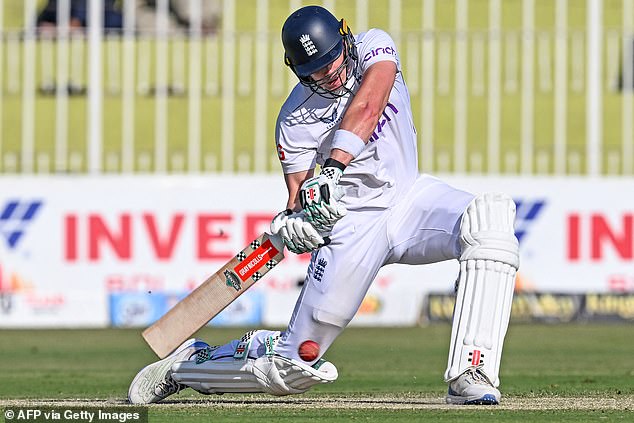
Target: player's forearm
(341, 156)
(355, 130)
(364, 112)
(360, 119)
(293, 182)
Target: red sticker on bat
(255, 260)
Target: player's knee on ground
(312, 331)
(249, 365)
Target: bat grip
(277, 241)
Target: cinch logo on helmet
(308, 44)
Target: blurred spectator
(47, 21)
(79, 14)
(626, 71)
(179, 15)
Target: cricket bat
(214, 295)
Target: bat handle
(279, 244)
(277, 241)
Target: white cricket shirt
(388, 166)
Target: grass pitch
(549, 373)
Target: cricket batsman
(350, 114)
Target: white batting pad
(488, 264)
(217, 377)
(486, 230)
(270, 374)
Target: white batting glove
(319, 197)
(297, 233)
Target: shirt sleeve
(377, 46)
(293, 146)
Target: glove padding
(297, 233)
(319, 197)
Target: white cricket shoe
(472, 387)
(154, 382)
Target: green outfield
(409, 41)
(567, 373)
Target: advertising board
(93, 251)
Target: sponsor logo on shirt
(383, 120)
(380, 51)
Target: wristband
(334, 163)
(348, 142)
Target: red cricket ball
(308, 350)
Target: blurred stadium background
(136, 159)
(510, 87)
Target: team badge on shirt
(331, 118)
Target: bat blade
(214, 295)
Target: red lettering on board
(209, 234)
(100, 235)
(163, 248)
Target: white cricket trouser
(424, 227)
